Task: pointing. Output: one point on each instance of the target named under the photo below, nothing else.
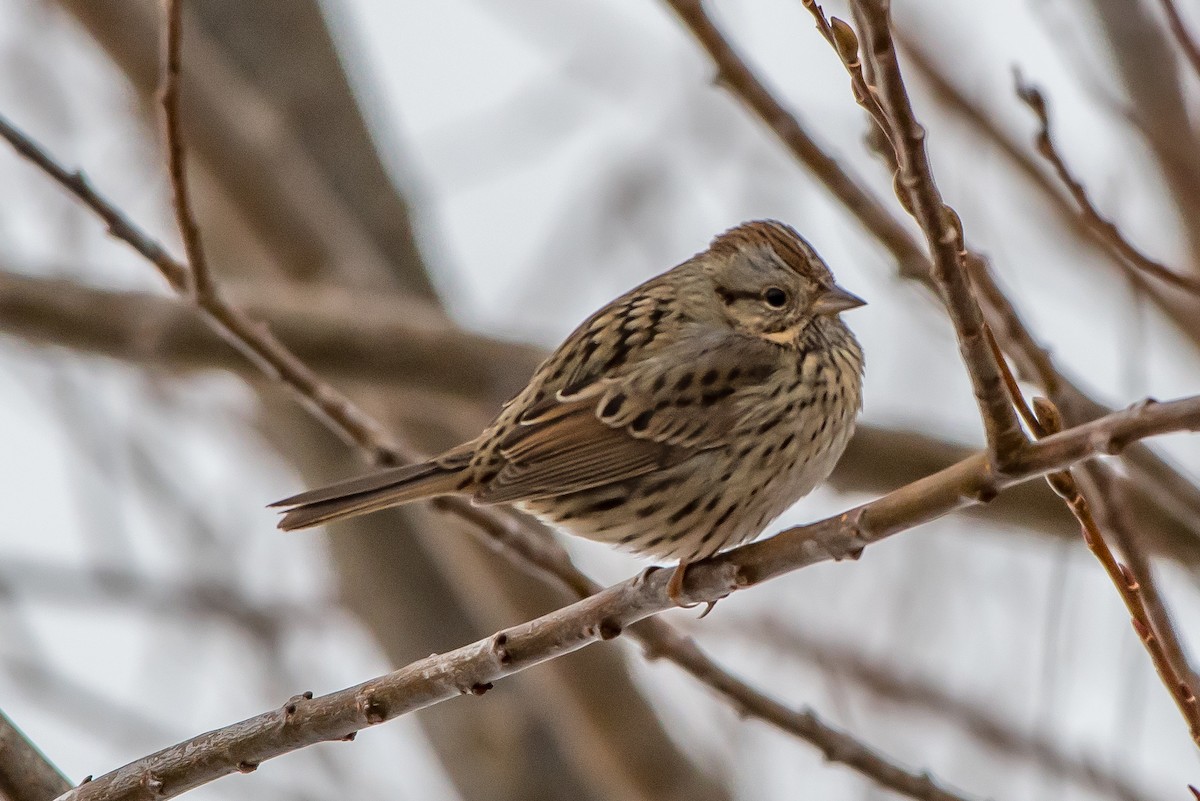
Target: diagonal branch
(889, 105)
(1107, 233)
(25, 773)
(473, 668)
(1186, 42)
(1149, 616)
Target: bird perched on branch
(675, 422)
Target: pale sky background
(517, 128)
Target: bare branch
(252, 339)
(200, 282)
(918, 193)
(473, 668)
(734, 73)
(1180, 32)
(1151, 622)
(1107, 233)
(25, 773)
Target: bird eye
(775, 297)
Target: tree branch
(473, 668)
(918, 193)
(1186, 43)
(1107, 233)
(25, 773)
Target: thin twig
(473, 668)
(359, 429)
(199, 278)
(889, 105)
(1109, 236)
(1112, 508)
(734, 73)
(250, 338)
(1180, 32)
(898, 686)
(25, 773)
(1152, 622)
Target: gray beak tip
(836, 300)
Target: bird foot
(675, 586)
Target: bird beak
(834, 300)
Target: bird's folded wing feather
(687, 397)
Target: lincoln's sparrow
(676, 421)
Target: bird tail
(369, 493)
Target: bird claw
(675, 586)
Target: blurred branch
(471, 669)
(310, 185)
(1107, 233)
(256, 343)
(982, 722)
(340, 333)
(25, 773)
(736, 75)
(1186, 43)
(889, 105)
(199, 281)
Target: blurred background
(423, 197)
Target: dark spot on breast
(652, 542)
(709, 398)
(712, 502)
(684, 381)
(606, 505)
(646, 511)
(725, 515)
(463, 483)
(642, 421)
(613, 407)
(653, 488)
(628, 538)
(788, 440)
(726, 476)
(767, 426)
(768, 452)
(659, 383)
(684, 511)
(735, 373)
(709, 377)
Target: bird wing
(687, 397)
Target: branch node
(608, 629)
(479, 688)
(500, 649)
(293, 703)
(247, 767)
(372, 709)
